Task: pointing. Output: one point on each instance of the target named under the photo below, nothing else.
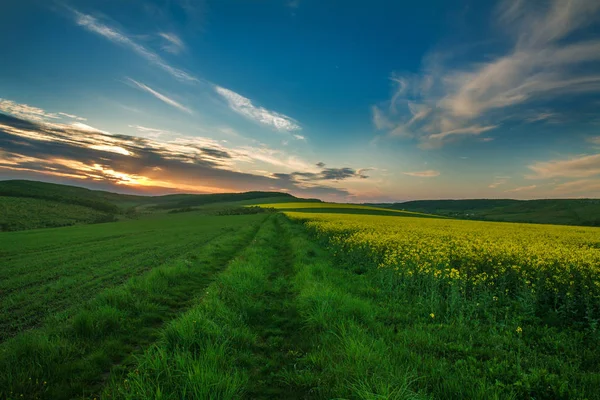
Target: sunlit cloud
(114, 149)
(72, 116)
(423, 174)
(114, 35)
(575, 167)
(499, 181)
(245, 107)
(579, 186)
(521, 189)
(545, 61)
(167, 162)
(160, 96)
(26, 111)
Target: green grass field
(585, 212)
(317, 301)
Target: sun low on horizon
(378, 101)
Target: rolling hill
(31, 204)
(585, 212)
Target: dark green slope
(31, 204)
(584, 212)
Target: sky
(354, 101)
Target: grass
(28, 205)
(430, 339)
(47, 271)
(235, 341)
(16, 214)
(73, 350)
(272, 306)
(584, 212)
(329, 208)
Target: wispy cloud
(579, 186)
(521, 189)
(594, 140)
(114, 35)
(575, 167)
(546, 60)
(245, 107)
(499, 181)
(72, 116)
(172, 43)
(380, 120)
(423, 174)
(26, 111)
(160, 96)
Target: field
(316, 301)
(31, 204)
(584, 212)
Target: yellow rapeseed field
(558, 266)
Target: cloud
(172, 43)
(578, 186)
(548, 59)
(153, 133)
(308, 179)
(72, 116)
(594, 140)
(320, 164)
(114, 35)
(423, 174)
(498, 182)
(162, 161)
(299, 137)
(542, 116)
(25, 111)
(244, 106)
(576, 167)
(439, 139)
(160, 96)
(379, 119)
(520, 189)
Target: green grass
(31, 205)
(188, 305)
(383, 335)
(235, 342)
(46, 271)
(584, 212)
(74, 349)
(16, 214)
(342, 208)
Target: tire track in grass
(237, 342)
(281, 338)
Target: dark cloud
(337, 174)
(17, 122)
(320, 164)
(215, 152)
(327, 174)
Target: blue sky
(353, 101)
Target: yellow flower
(432, 315)
(519, 330)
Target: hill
(585, 212)
(31, 204)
